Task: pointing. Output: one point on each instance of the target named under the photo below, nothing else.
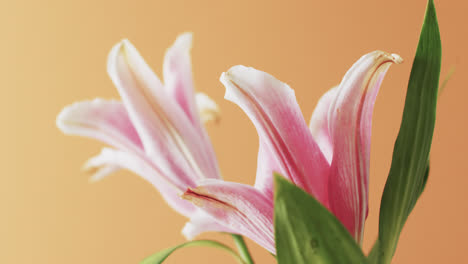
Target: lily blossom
(329, 159)
(156, 131)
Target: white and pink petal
(167, 134)
(284, 136)
(201, 222)
(319, 123)
(350, 120)
(104, 120)
(112, 158)
(238, 207)
(177, 72)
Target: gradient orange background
(54, 53)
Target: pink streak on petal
(167, 134)
(288, 143)
(238, 207)
(156, 129)
(319, 123)
(350, 120)
(177, 71)
(178, 82)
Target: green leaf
(409, 168)
(374, 254)
(164, 254)
(306, 232)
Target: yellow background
(54, 53)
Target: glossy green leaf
(306, 232)
(162, 255)
(409, 169)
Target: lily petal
(111, 158)
(177, 71)
(178, 82)
(319, 123)
(285, 139)
(267, 165)
(100, 172)
(238, 207)
(201, 222)
(104, 120)
(156, 129)
(108, 121)
(167, 134)
(350, 120)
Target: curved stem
(242, 247)
(160, 256)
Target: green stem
(242, 247)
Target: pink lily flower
(329, 159)
(156, 131)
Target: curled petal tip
(70, 113)
(397, 58)
(225, 77)
(350, 123)
(393, 57)
(64, 116)
(238, 71)
(234, 72)
(225, 80)
(60, 121)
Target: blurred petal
(285, 139)
(177, 70)
(104, 120)
(110, 158)
(319, 123)
(201, 222)
(156, 129)
(207, 108)
(167, 134)
(350, 121)
(178, 82)
(100, 172)
(237, 206)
